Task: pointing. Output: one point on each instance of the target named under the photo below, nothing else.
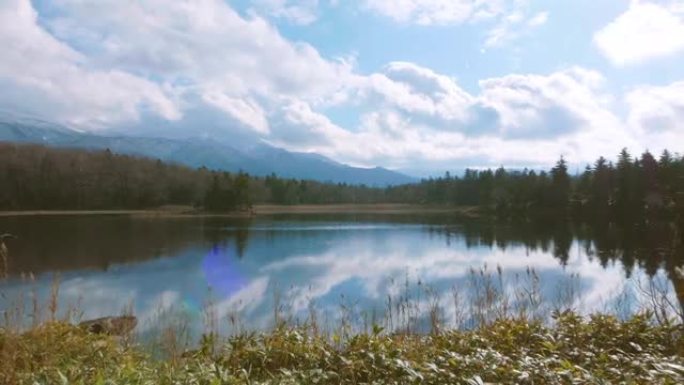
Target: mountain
(257, 159)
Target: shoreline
(263, 209)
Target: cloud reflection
(326, 263)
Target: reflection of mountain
(257, 158)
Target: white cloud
(177, 60)
(204, 48)
(246, 111)
(512, 17)
(411, 112)
(515, 24)
(439, 12)
(298, 127)
(205, 42)
(546, 106)
(418, 91)
(532, 106)
(42, 75)
(301, 12)
(539, 19)
(513, 27)
(657, 110)
(645, 31)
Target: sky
(421, 86)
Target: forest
(38, 177)
(630, 185)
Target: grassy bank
(572, 349)
(380, 208)
(174, 211)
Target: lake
(350, 269)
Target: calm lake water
(339, 266)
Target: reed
(493, 328)
(594, 350)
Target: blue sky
(422, 86)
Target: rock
(115, 326)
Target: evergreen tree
(560, 185)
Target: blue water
(335, 267)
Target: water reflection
(63, 243)
(286, 263)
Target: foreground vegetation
(572, 349)
(496, 336)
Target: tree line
(630, 185)
(36, 177)
(39, 177)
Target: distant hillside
(39, 177)
(258, 159)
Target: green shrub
(597, 350)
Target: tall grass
(573, 349)
(485, 296)
(493, 327)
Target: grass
(269, 209)
(370, 208)
(597, 350)
(511, 338)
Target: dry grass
(494, 335)
(267, 209)
(380, 208)
(599, 350)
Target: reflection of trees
(54, 243)
(57, 243)
(66, 243)
(241, 237)
(649, 245)
(220, 231)
(676, 263)
(678, 283)
(545, 236)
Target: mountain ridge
(260, 159)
